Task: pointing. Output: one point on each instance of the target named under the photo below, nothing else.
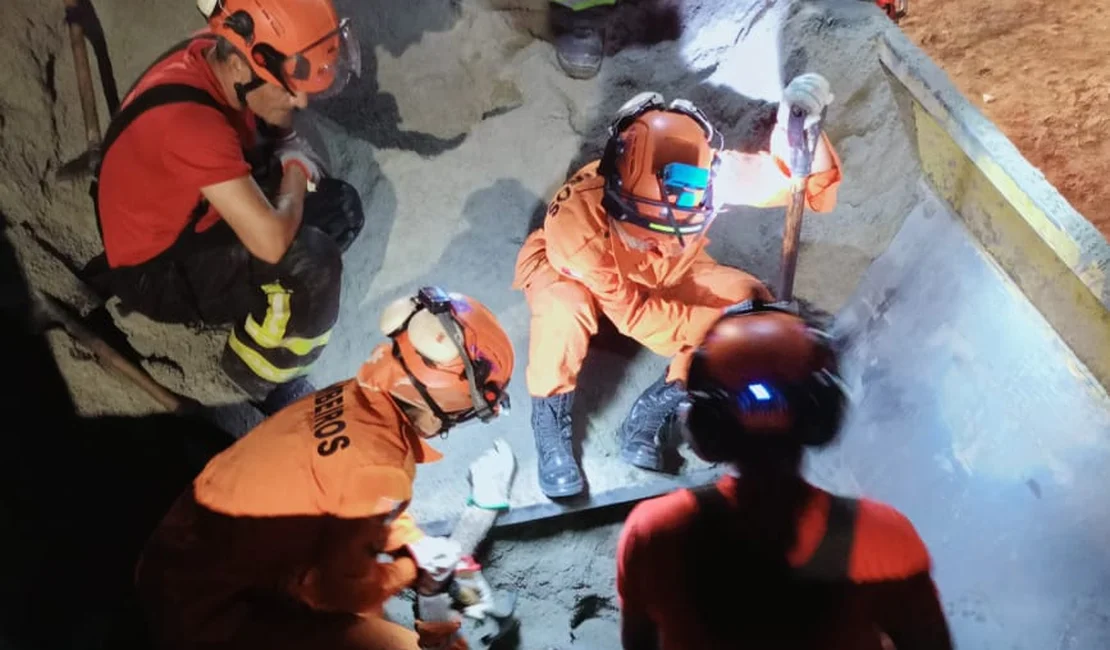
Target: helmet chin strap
(437, 304)
(445, 420)
(241, 89)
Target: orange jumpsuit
(578, 266)
(277, 542)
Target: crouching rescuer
(625, 239)
(762, 559)
(297, 534)
(203, 197)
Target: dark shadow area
(80, 495)
(361, 108)
(607, 365)
(495, 221)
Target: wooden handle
(803, 146)
(791, 236)
(84, 73)
(106, 355)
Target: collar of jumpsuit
(377, 377)
(647, 262)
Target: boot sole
(581, 72)
(563, 491)
(653, 462)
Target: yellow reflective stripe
(296, 345)
(260, 366)
(277, 311)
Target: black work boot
(643, 434)
(284, 395)
(579, 39)
(559, 473)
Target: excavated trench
(971, 300)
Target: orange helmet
(453, 354)
(658, 165)
(300, 45)
(761, 373)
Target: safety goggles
(321, 69)
(487, 399)
(695, 219)
(324, 67)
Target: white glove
(810, 92)
(471, 590)
(436, 557)
(295, 150)
(491, 475)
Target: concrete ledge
(1066, 232)
(1051, 252)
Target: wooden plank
(626, 495)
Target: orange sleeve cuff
(821, 190)
(822, 187)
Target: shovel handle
(84, 74)
(803, 145)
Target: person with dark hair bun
(762, 558)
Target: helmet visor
(683, 213)
(324, 68)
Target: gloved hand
(436, 558)
(437, 625)
(293, 149)
(808, 92)
(471, 590)
(491, 475)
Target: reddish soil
(1040, 70)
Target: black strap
(167, 54)
(149, 99)
(152, 98)
(830, 560)
(711, 503)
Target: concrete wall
(1053, 255)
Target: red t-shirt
(656, 540)
(150, 180)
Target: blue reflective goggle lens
(685, 181)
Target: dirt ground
(1039, 70)
(470, 100)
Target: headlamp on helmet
(488, 395)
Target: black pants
(282, 314)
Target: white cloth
(491, 475)
(436, 557)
